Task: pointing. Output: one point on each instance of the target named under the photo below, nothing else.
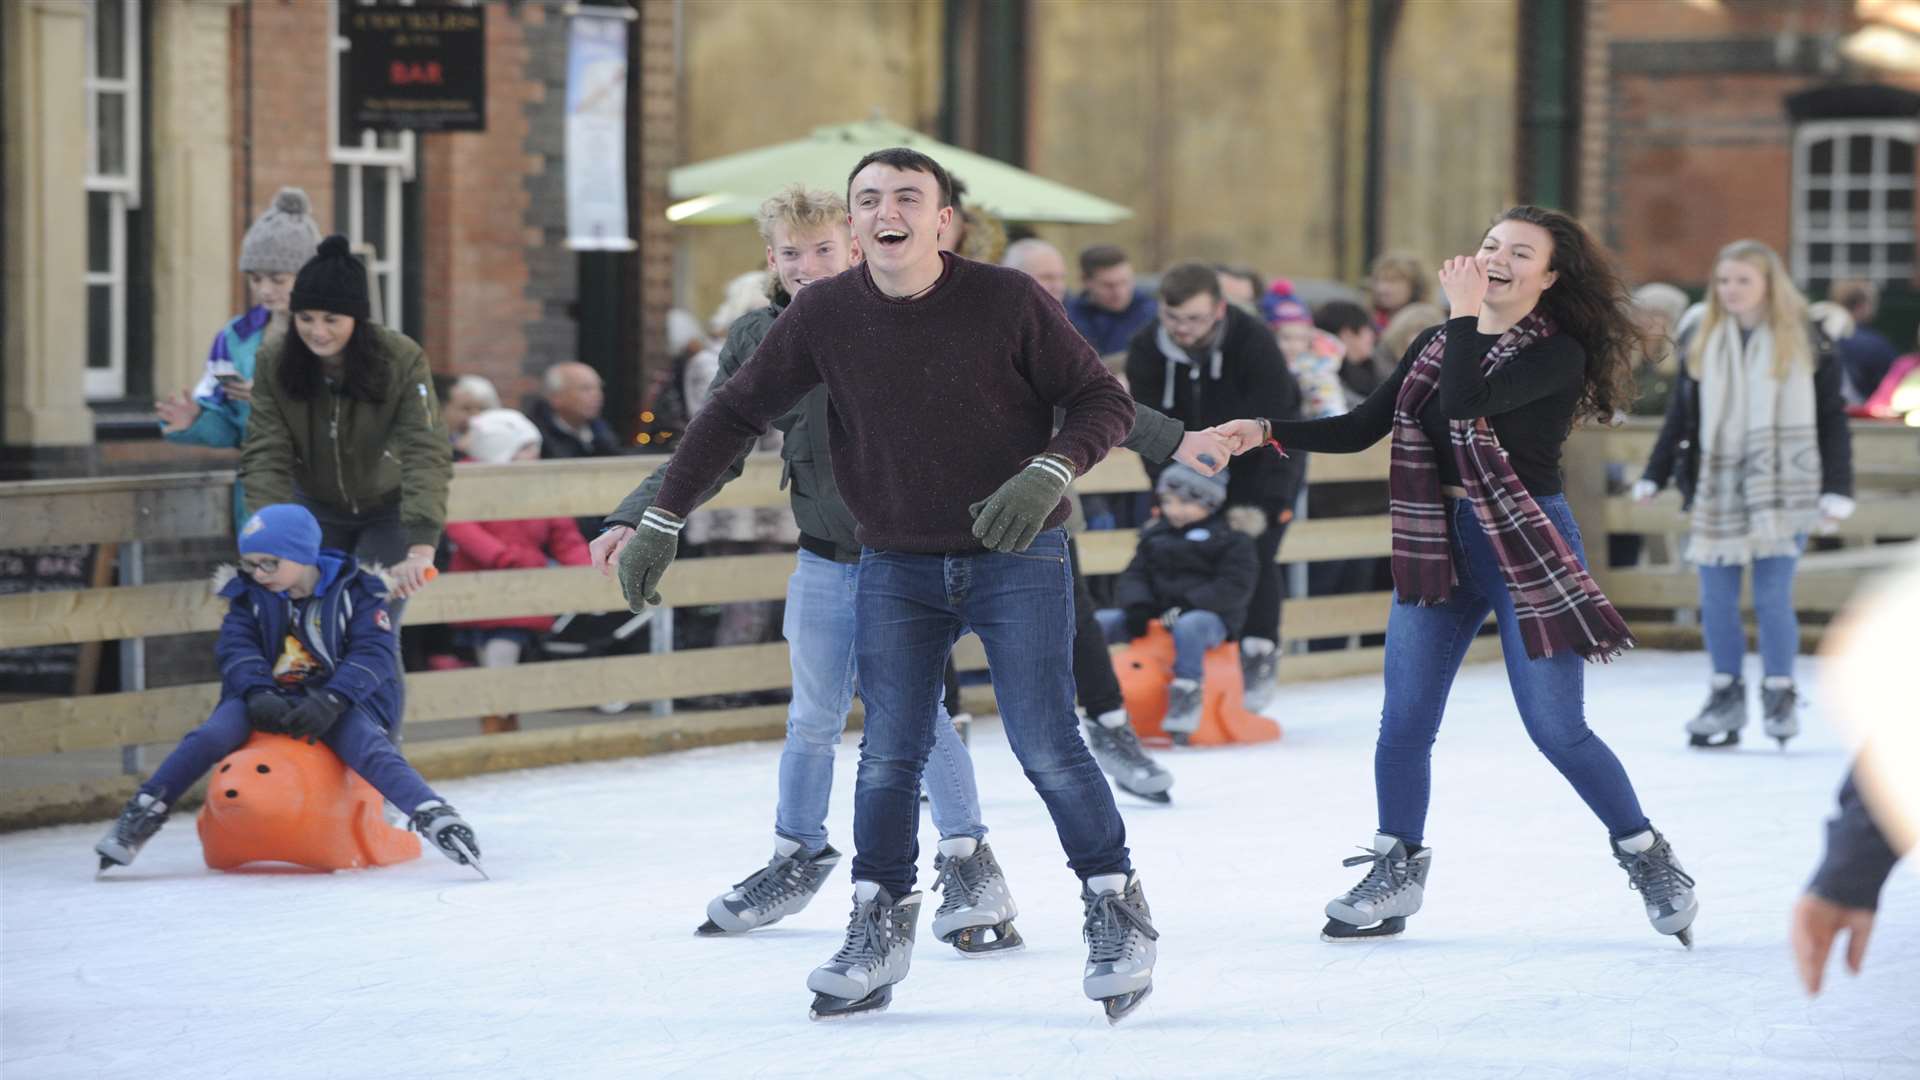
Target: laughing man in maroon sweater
(943, 376)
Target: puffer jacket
(1207, 566)
(346, 630)
(353, 456)
(515, 545)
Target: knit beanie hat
(333, 280)
(1193, 486)
(284, 530)
(284, 237)
(496, 435)
(1280, 306)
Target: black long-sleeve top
(1858, 857)
(1530, 403)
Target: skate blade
(828, 1007)
(466, 856)
(981, 941)
(1161, 797)
(1340, 933)
(711, 929)
(1120, 1007)
(1707, 742)
(1685, 937)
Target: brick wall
(553, 272)
(654, 153)
(291, 46)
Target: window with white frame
(369, 168)
(112, 185)
(1853, 191)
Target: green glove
(647, 555)
(1011, 517)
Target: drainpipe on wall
(1547, 95)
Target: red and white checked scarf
(1556, 600)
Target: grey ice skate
(1654, 872)
(1184, 698)
(139, 820)
(1780, 712)
(976, 910)
(1258, 667)
(878, 952)
(448, 833)
(781, 888)
(1120, 943)
(1394, 888)
(1719, 721)
(1118, 751)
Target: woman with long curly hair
(1479, 409)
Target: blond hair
(1786, 309)
(1404, 265)
(800, 209)
(1408, 323)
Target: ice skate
(1259, 663)
(781, 888)
(1117, 749)
(1719, 721)
(446, 830)
(1120, 943)
(1654, 872)
(976, 910)
(877, 953)
(1183, 710)
(139, 820)
(1780, 710)
(1394, 888)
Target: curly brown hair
(1590, 302)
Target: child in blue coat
(306, 650)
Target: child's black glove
(1138, 619)
(316, 715)
(267, 711)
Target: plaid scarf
(1555, 599)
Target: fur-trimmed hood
(226, 580)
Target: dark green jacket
(807, 471)
(353, 456)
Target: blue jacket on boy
(346, 630)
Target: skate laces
(866, 935)
(1110, 920)
(1653, 873)
(1721, 697)
(1126, 745)
(772, 882)
(138, 822)
(966, 873)
(1387, 875)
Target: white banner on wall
(597, 130)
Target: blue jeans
(1194, 632)
(819, 630)
(357, 738)
(1772, 608)
(911, 609)
(1425, 646)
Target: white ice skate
(1117, 749)
(976, 910)
(1394, 888)
(1120, 943)
(1654, 872)
(878, 952)
(781, 888)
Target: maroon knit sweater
(934, 402)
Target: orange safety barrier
(1145, 669)
(278, 799)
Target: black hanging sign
(415, 68)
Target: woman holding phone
(216, 411)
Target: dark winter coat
(1209, 566)
(353, 456)
(1676, 453)
(1858, 857)
(514, 545)
(826, 525)
(1110, 331)
(1245, 376)
(558, 442)
(347, 630)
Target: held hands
(1241, 436)
(1205, 452)
(177, 413)
(1012, 516)
(1465, 284)
(1815, 924)
(644, 558)
(603, 553)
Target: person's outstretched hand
(604, 551)
(1012, 516)
(1205, 452)
(1815, 923)
(1241, 435)
(646, 556)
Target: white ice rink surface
(1532, 959)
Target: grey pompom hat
(284, 238)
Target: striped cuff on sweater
(661, 521)
(1056, 467)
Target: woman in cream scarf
(1756, 439)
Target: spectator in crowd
(1657, 308)
(1756, 439)
(1242, 286)
(568, 416)
(1110, 309)
(1193, 573)
(345, 422)
(276, 246)
(1040, 261)
(469, 396)
(1397, 278)
(1866, 354)
(976, 234)
(1350, 324)
(496, 437)
(1407, 324)
(1313, 357)
(1204, 362)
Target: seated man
(1194, 573)
(306, 650)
